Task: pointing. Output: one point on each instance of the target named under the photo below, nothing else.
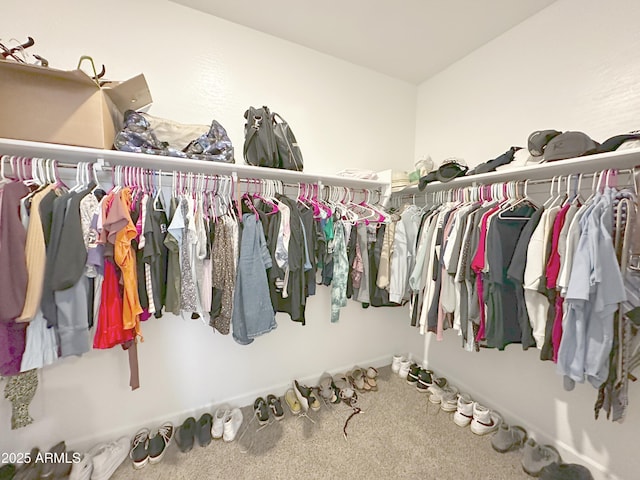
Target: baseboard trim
(85, 443)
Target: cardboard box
(68, 107)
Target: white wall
(199, 68)
(573, 66)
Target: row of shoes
(537, 460)
(99, 463)
(331, 389)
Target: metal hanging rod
(109, 158)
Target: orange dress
(125, 258)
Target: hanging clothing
(253, 314)
(340, 272)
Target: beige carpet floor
(397, 436)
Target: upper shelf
(624, 159)
(67, 153)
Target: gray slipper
(508, 438)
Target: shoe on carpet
(140, 448)
(219, 417)
(464, 410)
(306, 397)
(404, 368)
(159, 442)
(448, 398)
(425, 380)
(276, 407)
(326, 388)
(535, 457)
(261, 410)
(232, 425)
(292, 402)
(371, 378)
(565, 471)
(107, 457)
(49, 467)
(412, 376)
(83, 469)
(186, 434)
(508, 438)
(484, 420)
(395, 363)
(203, 429)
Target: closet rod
(67, 154)
(617, 160)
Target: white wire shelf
(618, 160)
(110, 158)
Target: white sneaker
(445, 396)
(395, 363)
(219, 418)
(484, 420)
(449, 398)
(83, 469)
(464, 410)
(404, 368)
(232, 425)
(107, 457)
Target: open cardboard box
(68, 107)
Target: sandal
(275, 406)
(349, 396)
(261, 411)
(372, 375)
(292, 402)
(359, 382)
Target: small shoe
(140, 449)
(107, 457)
(535, 457)
(395, 363)
(412, 376)
(219, 417)
(306, 397)
(464, 410)
(484, 420)
(48, 468)
(448, 398)
(203, 429)
(425, 380)
(449, 401)
(404, 368)
(326, 388)
(159, 442)
(186, 434)
(359, 381)
(508, 438)
(232, 425)
(261, 411)
(292, 402)
(275, 406)
(83, 469)
(371, 378)
(349, 396)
